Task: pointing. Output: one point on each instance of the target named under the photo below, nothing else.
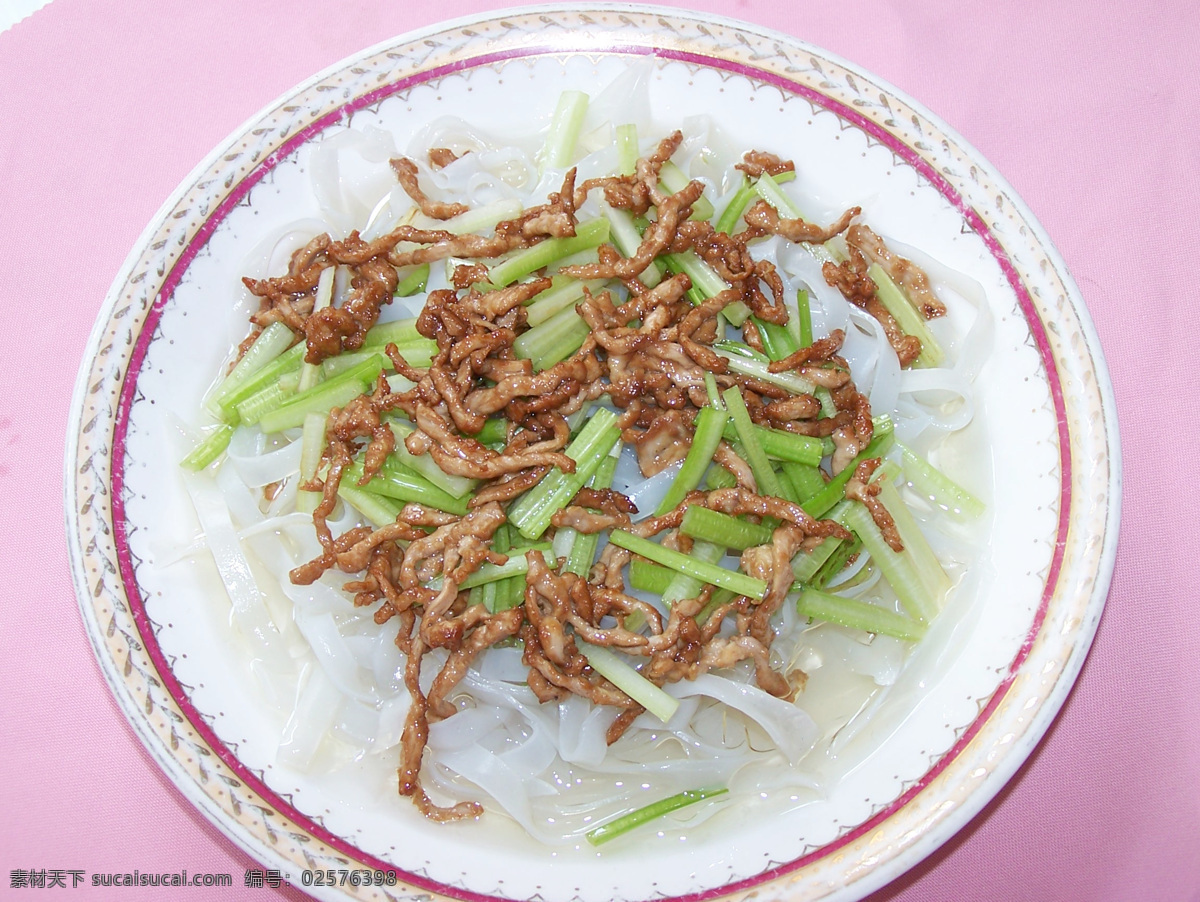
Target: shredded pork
(647, 356)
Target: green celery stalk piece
(768, 189)
(715, 575)
(674, 179)
(627, 149)
(381, 511)
(646, 576)
(908, 318)
(531, 512)
(552, 341)
(804, 318)
(583, 549)
(625, 677)
(822, 502)
(683, 586)
(337, 391)
(634, 819)
(270, 374)
(918, 589)
(777, 341)
(568, 116)
(858, 615)
(786, 446)
(272, 341)
(402, 484)
(414, 282)
(937, 487)
(398, 332)
(710, 425)
(209, 448)
(590, 234)
(727, 531)
(766, 478)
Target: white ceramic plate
(1037, 592)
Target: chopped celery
(484, 217)
(252, 409)
(858, 615)
(707, 525)
(414, 281)
(674, 179)
(683, 586)
(209, 448)
(627, 149)
(706, 282)
(820, 504)
(719, 478)
(564, 292)
(733, 211)
(398, 332)
(734, 580)
(806, 479)
(286, 362)
(310, 373)
(531, 513)
(402, 484)
(764, 476)
(559, 148)
(646, 576)
(786, 446)
(625, 677)
(587, 235)
(918, 587)
(710, 424)
(553, 340)
(768, 189)
(777, 341)
(627, 822)
(836, 562)
(517, 565)
(807, 565)
(380, 510)
(312, 446)
(804, 318)
(267, 347)
(713, 392)
(495, 593)
(458, 486)
(583, 549)
(937, 487)
(628, 238)
(494, 431)
(908, 318)
(749, 366)
(335, 392)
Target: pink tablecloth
(1088, 109)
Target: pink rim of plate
(238, 194)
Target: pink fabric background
(1089, 110)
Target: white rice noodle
(792, 730)
(645, 493)
(872, 360)
(829, 309)
(312, 717)
(938, 399)
(351, 173)
(268, 649)
(974, 346)
(258, 467)
(335, 657)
